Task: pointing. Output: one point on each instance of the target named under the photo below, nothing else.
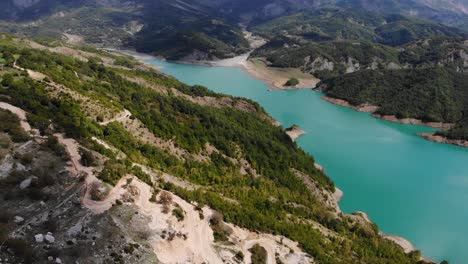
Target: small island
(294, 132)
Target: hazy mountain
(209, 29)
(445, 11)
(353, 24)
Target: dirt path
(75, 167)
(119, 118)
(33, 74)
(192, 239)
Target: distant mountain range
(212, 29)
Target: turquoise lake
(409, 186)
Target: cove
(408, 186)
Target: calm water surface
(409, 186)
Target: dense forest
(272, 199)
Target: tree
(292, 82)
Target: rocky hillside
(104, 159)
(332, 58)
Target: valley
(217, 131)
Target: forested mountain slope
(173, 29)
(136, 162)
(355, 24)
(207, 30)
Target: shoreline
(274, 77)
(338, 194)
(443, 140)
(369, 108)
(404, 243)
(294, 132)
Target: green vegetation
(113, 171)
(263, 203)
(325, 59)
(87, 158)
(178, 213)
(425, 79)
(430, 94)
(10, 124)
(292, 82)
(330, 24)
(259, 254)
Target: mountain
(459, 6)
(353, 24)
(174, 29)
(444, 11)
(180, 29)
(27, 10)
(209, 30)
(424, 79)
(103, 159)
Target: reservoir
(408, 186)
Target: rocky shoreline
(413, 121)
(294, 132)
(441, 139)
(368, 108)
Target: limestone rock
(39, 238)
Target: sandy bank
(441, 139)
(277, 77)
(338, 195)
(294, 132)
(403, 243)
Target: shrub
(112, 172)
(97, 191)
(292, 82)
(11, 125)
(52, 144)
(221, 231)
(87, 158)
(178, 213)
(5, 141)
(165, 198)
(259, 254)
(154, 196)
(26, 158)
(239, 256)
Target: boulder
(49, 238)
(25, 184)
(39, 238)
(18, 219)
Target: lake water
(409, 186)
